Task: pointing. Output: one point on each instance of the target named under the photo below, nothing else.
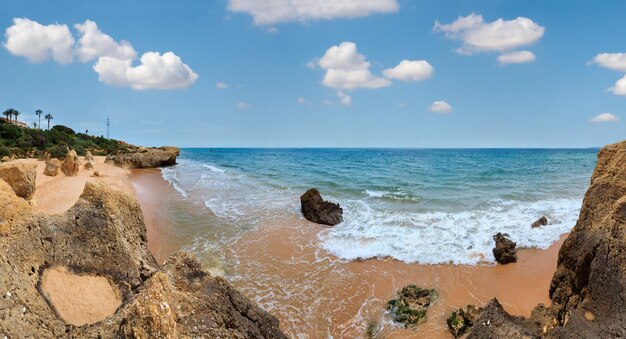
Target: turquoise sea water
(416, 205)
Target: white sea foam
(440, 237)
(171, 175)
(213, 168)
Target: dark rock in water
(505, 249)
(317, 210)
(540, 222)
(461, 320)
(411, 305)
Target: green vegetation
(21, 141)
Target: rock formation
(103, 234)
(540, 222)
(588, 289)
(52, 167)
(317, 210)
(411, 305)
(70, 164)
(21, 176)
(504, 252)
(148, 158)
(88, 165)
(461, 321)
(89, 157)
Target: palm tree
(8, 113)
(48, 117)
(15, 114)
(39, 113)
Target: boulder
(411, 305)
(504, 252)
(149, 158)
(104, 235)
(21, 175)
(89, 157)
(461, 320)
(5, 159)
(88, 165)
(96, 173)
(317, 210)
(52, 167)
(70, 164)
(540, 222)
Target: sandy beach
(341, 298)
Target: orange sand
(79, 299)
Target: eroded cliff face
(588, 289)
(104, 235)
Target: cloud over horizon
(503, 36)
(114, 60)
(271, 12)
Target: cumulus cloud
(441, 107)
(501, 35)
(347, 69)
(344, 99)
(613, 61)
(620, 87)
(221, 85)
(271, 12)
(243, 105)
(517, 57)
(94, 44)
(155, 71)
(604, 117)
(408, 70)
(39, 43)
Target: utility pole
(108, 128)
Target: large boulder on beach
(504, 251)
(89, 157)
(103, 238)
(70, 165)
(52, 167)
(21, 175)
(317, 210)
(88, 165)
(147, 158)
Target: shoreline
(366, 284)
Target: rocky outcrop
(411, 305)
(505, 251)
(70, 164)
(317, 210)
(588, 289)
(540, 222)
(148, 158)
(89, 157)
(461, 320)
(21, 176)
(52, 167)
(88, 165)
(104, 235)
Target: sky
(321, 73)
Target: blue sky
(269, 65)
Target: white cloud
(269, 12)
(496, 36)
(155, 71)
(243, 105)
(604, 117)
(39, 43)
(221, 85)
(408, 70)
(94, 44)
(441, 107)
(620, 87)
(347, 69)
(613, 61)
(516, 57)
(344, 99)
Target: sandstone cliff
(146, 158)
(104, 235)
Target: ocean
(428, 206)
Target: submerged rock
(461, 320)
(21, 175)
(104, 235)
(70, 164)
(317, 210)
(504, 252)
(411, 305)
(540, 222)
(148, 158)
(52, 167)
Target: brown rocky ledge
(104, 236)
(588, 289)
(146, 158)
